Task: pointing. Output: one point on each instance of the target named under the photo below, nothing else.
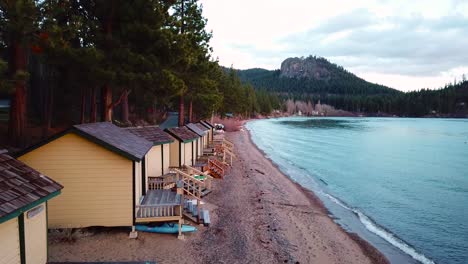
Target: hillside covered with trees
(315, 79)
(77, 61)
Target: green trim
(191, 140)
(21, 238)
(180, 154)
(28, 207)
(162, 159)
(133, 192)
(196, 152)
(143, 176)
(162, 143)
(47, 229)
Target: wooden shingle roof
(151, 133)
(196, 129)
(207, 124)
(182, 133)
(20, 186)
(202, 127)
(116, 139)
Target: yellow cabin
(183, 149)
(101, 166)
(199, 141)
(210, 130)
(156, 162)
(206, 136)
(24, 200)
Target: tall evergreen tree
(18, 30)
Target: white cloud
(403, 44)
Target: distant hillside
(311, 76)
(314, 79)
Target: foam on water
(383, 233)
(407, 195)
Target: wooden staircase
(216, 168)
(193, 212)
(194, 190)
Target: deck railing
(228, 144)
(190, 185)
(228, 155)
(216, 168)
(145, 211)
(206, 182)
(166, 182)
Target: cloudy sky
(407, 45)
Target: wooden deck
(159, 205)
(161, 197)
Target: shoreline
(368, 249)
(258, 215)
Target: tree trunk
(181, 111)
(106, 89)
(17, 120)
(190, 117)
(18, 115)
(83, 106)
(125, 112)
(106, 103)
(93, 113)
(48, 106)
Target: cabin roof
(182, 133)
(202, 127)
(151, 133)
(116, 139)
(21, 185)
(207, 124)
(108, 136)
(196, 129)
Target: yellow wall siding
(154, 162)
(200, 147)
(210, 135)
(97, 183)
(174, 151)
(9, 242)
(138, 181)
(182, 154)
(35, 237)
(167, 153)
(187, 153)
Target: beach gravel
(258, 216)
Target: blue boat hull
(165, 228)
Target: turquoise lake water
(402, 184)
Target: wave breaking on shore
(380, 231)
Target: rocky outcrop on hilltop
(310, 67)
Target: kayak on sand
(166, 228)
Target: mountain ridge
(315, 79)
(311, 75)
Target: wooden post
(133, 233)
(198, 211)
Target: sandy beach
(258, 216)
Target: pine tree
(18, 27)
